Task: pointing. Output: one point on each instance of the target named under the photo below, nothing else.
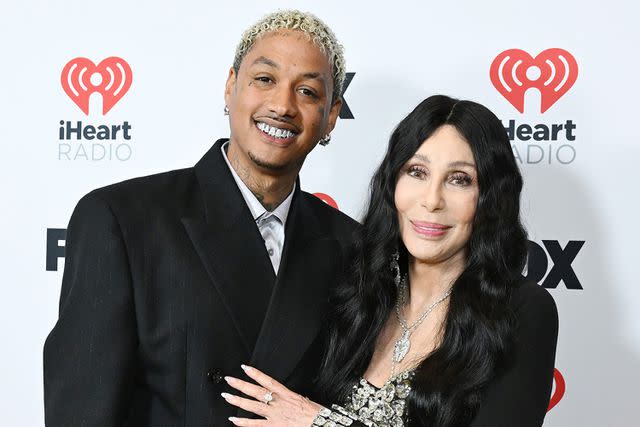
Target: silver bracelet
(328, 418)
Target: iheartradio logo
(552, 72)
(327, 199)
(559, 388)
(111, 78)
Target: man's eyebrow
(310, 75)
(314, 75)
(266, 61)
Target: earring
(226, 110)
(324, 141)
(395, 267)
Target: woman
(434, 324)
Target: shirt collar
(256, 208)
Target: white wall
(401, 52)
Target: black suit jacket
(167, 287)
(518, 396)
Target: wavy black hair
(479, 326)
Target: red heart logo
(558, 393)
(327, 199)
(552, 72)
(111, 78)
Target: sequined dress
(371, 406)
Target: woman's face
(436, 198)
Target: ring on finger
(268, 397)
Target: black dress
(518, 396)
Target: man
(173, 281)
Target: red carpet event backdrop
(95, 93)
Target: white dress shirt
(270, 224)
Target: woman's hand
(277, 404)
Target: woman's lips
(430, 229)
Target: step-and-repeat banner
(97, 92)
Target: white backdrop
(400, 52)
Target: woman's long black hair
(478, 330)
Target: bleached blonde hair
(317, 31)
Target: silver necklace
(403, 344)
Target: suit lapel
(296, 308)
(231, 248)
(276, 319)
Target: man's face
(280, 102)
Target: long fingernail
(233, 419)
(229, 379)
(245, 368)
(226, 395)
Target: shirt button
(270, 251)
(215, 376)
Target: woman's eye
(461, 180)
(416, 172)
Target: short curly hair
(317, 31)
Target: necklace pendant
(401, 347)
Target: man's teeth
(274, 131)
